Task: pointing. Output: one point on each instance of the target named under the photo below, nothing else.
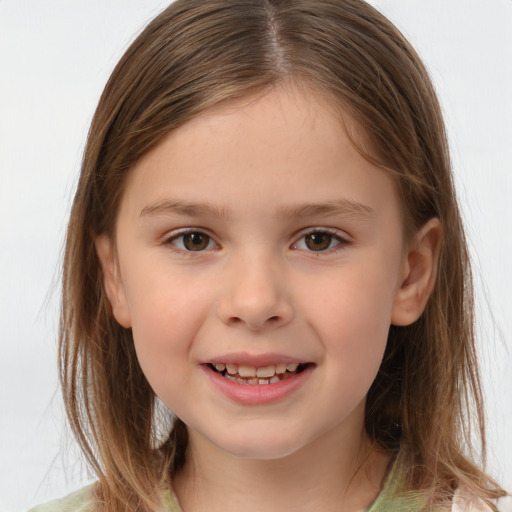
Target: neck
(316, 477)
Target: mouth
(252, 375)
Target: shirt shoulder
(79, 501)
(83, 501)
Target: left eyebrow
(342, 207)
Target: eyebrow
(189, 209)
(342, 207)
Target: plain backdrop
(55, 57)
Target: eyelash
(332, 234)
(181, 234)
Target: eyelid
(175, 234)
(343, 238)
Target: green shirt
(387, 501)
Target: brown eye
(193, 241)
(318, 241)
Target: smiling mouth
(252, 375)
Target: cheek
(353, 320)
(166, 316)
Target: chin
(259, 447)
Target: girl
(265, 241)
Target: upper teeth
(263, 372)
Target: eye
(192, 241)
(319, 241)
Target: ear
(419, 274)
(112, 282)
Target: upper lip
(256, 360)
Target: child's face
(256, 235)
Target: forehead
(282, 147)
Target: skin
(257, 288)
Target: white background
(55, 57)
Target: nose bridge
(255, 292)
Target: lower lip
(257, 394)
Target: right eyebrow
(189, 209)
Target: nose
(255, 295)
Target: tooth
(241, 381)
(280, 368)
(292, 367)
(247, 371)
(230, 378)
(266, 371)
(263, 381)
(232, 369)
(252, 381)
(220, 367)
(275, 379)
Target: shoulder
(465, 501)
(83, 501)
(79, 501)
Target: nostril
(237, 320)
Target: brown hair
(194, 55)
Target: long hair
(194, 55)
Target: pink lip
(243, 358)
(258, 394)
